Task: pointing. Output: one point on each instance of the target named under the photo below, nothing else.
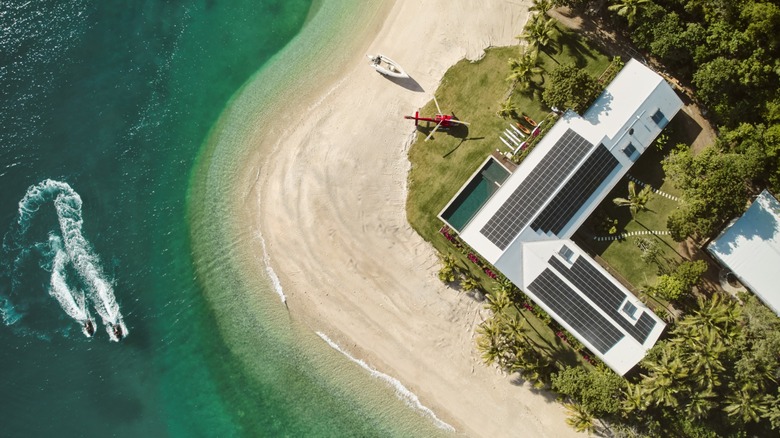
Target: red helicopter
(440, 119)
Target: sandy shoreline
(330, 202)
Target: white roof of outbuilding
(750, 247)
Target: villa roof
(750, 247)
(524, 229)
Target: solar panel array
(524, 203)
(575, 311)
(577, 190)
(605, 294)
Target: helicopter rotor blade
(458, 121)
(437, 105)
(434, 130)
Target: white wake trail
(77, 250)
(71, 301)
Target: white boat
(387, 66)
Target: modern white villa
(522, 222)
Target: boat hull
(387, 66)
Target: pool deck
(506, 162)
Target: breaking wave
(402, 391)
(271, 273)
(68, 250)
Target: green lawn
(624, 255)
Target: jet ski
(88, 328)
(118, 332)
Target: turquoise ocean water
(105, 109)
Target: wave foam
(71, 247)
(402, 391)
(274, 278)
(73, 302)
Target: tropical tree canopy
(596, 391)
(570, 87)
(628, 9)
(714, 190)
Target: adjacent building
(750, 248)
(522, 222)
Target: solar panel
(577, 190)
(604, 294)
(575, 311)
(524, 203)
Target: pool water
(474, 194)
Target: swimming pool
(474, 194)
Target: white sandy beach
(331, 207)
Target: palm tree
(579, 418)
(507, 108)
(704, 357)
(468, 282)
(634, 399)
(514, 328)
(746, 405)
(535, 367)
(700, 404)
(490, 342)
(773, 412)
(636, 202)
(629, 9)
(498, 303)
(541, 6)
(663, 383)
(448, 270)
(508, 288)
(719, 313)
(523, 69)
(539, 34)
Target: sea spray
(9, 313)
(271, 274)
(402, 391)
(71, 247)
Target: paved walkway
(653, 189)
(629, 234)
